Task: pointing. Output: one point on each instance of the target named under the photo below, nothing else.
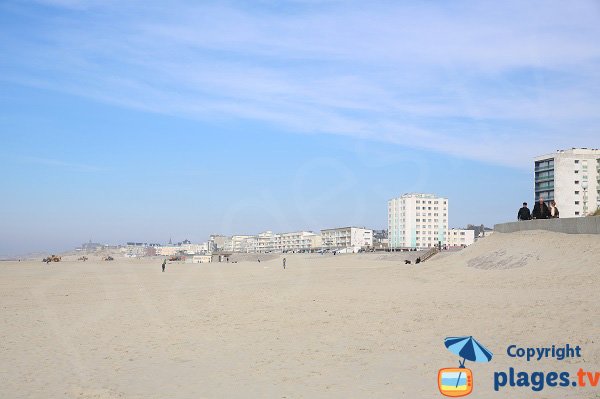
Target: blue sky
(148, 120)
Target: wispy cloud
(499, 84)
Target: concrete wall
(581, 225)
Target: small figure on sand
(164, 264)
(284, 263)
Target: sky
(146, 120)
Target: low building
(266, 242)
(380, 240)
(298, 241)
(91, 247)
(198, 259)
(460, 237)
(191, 249)
(243, 244)
(218, 242)
(168, 250)
(347, 237)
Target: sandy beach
(349, 326)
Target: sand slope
(350, 326)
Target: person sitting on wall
(524, 213)
(540, 210)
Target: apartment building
(347, 237)
(298, 241)
(218, 242)
(460, 237)
(243, 243)
(571, 178)
(417, 220)
(266, 242)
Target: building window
(576, 181)
(576, 213)
(576, 192)
(577, 161)
(576, 171)
(576, 202)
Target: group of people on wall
(540, 211)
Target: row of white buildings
(414, 221)
(328, 239)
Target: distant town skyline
(144, 121)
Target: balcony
(544, 168)
(544, 188)
(542, 179)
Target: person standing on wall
(524, 213)
(540, 210)
(553, 210)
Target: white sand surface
(348, 326)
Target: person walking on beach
(284, 263)
(540, 210)
(524, 213)
(164, 264)
(553, 210)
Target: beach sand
(348, 326)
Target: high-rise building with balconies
(571, 178)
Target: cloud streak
(462, 78)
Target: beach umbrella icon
(469, 349)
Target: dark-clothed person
(524, 213)
(540, 210)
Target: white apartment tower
(417, 221)
(571, 178)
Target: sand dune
(350, 326)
